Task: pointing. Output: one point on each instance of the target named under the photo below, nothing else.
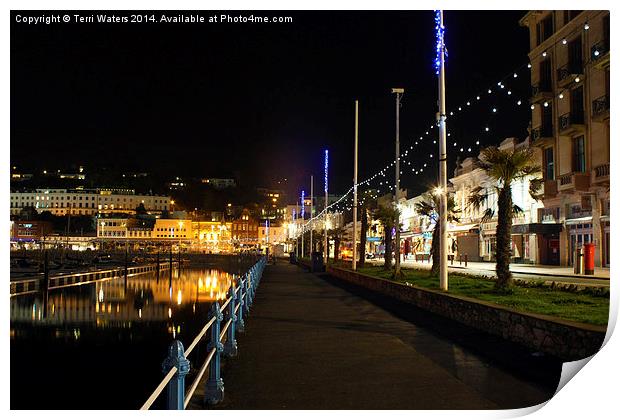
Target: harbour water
(101, 345)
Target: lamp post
(311, 212)
(441, 117)
(326, 172)
(355, 191)
(399, 93)
(303, 218)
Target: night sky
(260, 101)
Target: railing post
(251, 288)
(230, 348)
(176, 386)
(246, 289)
(240, 324)
(214, 392)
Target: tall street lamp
(443, 181)
(399, 94)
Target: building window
(576, 106)
(570, 15)
(545, 75)
(544, 29)
(575, 56)
(579, 154)
(549, 164)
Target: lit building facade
(478, 240)
(61, 202)
(569, 55)
(212, 236)
(244, 230)
(154, 230)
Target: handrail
(226, 326)
(201, 372)
(174, 379)
(149, 402)
(225, 304)
(199, 336)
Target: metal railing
(177, 366)
(600, 105)
(569, 70)
(542, 131)
(31, 285)
(543, 87)
(569, 119)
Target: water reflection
(118, 302)
(124, 326)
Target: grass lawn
(583, 306)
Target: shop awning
(537, 228)
(463, 228)
(579, 220)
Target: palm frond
(516, 210)
(477, 197)
(535, 189)
(488, 215)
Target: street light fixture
(399, 93)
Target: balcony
(600, 54)
(600, 108)
(541, 92)
(574, 181)
(600, 174)
(542, 135)
(569, 74)
(550, 188)
(571, 122)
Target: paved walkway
(546, 273)
(311, 344)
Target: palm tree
(429, 207)
(504, 167)
(387, 216)
(368, 205)
(336, 234)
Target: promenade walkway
(311, 344)
(546, 273)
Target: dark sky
(260, 100)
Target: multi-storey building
(212, 236)
(569, 56)
(477, 240)
(245, 230)
(219, 183)
(147, 230)
(61, 202)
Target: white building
(570, 72)
(62, 202)
(478, 240)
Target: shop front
(536, 243)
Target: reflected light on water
(115, 303)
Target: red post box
(588, 250)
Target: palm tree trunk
(504, 226)
(435, 250)
(388, 248)
(364, 228)
(336, 248)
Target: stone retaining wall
(564, 339)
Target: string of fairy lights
(501, 88)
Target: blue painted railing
(177, 366)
